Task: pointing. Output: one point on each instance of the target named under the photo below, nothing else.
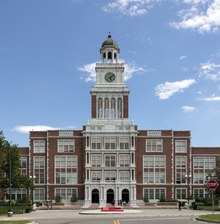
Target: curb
(205, 220)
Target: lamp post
(188, 177)
(10, 211)
(32, 190)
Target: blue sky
(171, 49)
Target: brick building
(110, 159)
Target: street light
(32, 190)
(10, 211)
(188, 177)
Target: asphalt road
(151, 216)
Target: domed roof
(109, 42)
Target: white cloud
(212, 98)
(27, 129)
(90, 74)
(201, 15)
(182, 57)
(210, 70)
(130, 7)
(187, 109)
(167, 89)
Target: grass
(16, 209)
(210, 217)
(14, 222)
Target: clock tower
(109, 94)
(110, 135)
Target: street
(136, 216)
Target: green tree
(10, 151)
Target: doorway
(95, 196)
(125, 195)
(110, 196)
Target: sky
(171, 51)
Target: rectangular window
(207, 163)
(110, 175)
(180, 169)
(67, 145)
(39, 146)
(23, 165)
(66, 169)
(110, 143)
(200, 193)
(124, 160)
(39, 194)
(181, 193)
(39, 169)
(96, 176)
(154, 169)
(66, 178)
(154, 145)
(65, 162)
(200, 178)
(124, 176)
(96, 143)
(154, 178)
(66, 193)
(154, 193)
(110, 160)
(180, 146)
(124, 143)
(96, 160)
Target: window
(181, 146)
(66, 178)
(96, 143)
(124, 175)
(66, 193)
(110, 175)
(200, 193)
(180, 169)
(181, 193)
(154, 145)
(154, 193)
(110, 143)
(96, 160)
(39, 146)
(202, 167)
(154, 178)
(199, 178)
(207, 163)
(65, 162)
(110, 160)
(66, 169)
(154, 161)
(154, 169)
(66, 145)
(23, 165)
(16, 193)
(39, 169)
(96, 176)
(124, 143)
(124, 160)
(39, 194)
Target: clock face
(110, 77)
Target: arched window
(100, 108)
(106, 109)
(109, 56)
(113, 108)
(119, 108)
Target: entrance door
(95, 196)
(110, 196)
(125, 195)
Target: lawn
(14, 222)
(210, 217)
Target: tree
(217, 174)
(10, 151)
